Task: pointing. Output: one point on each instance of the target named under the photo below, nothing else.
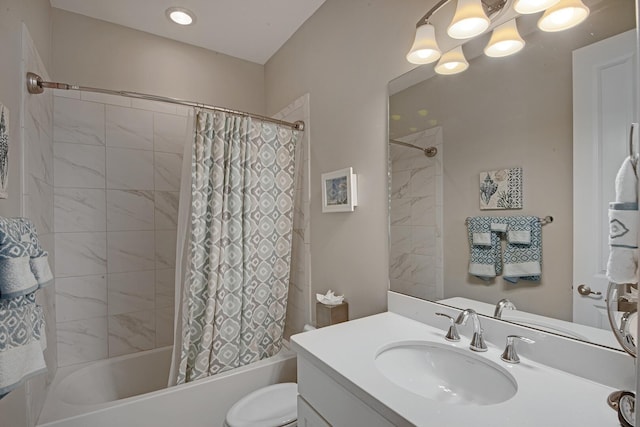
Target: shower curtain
(234, 244)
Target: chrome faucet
(503, 304)
(477, 341)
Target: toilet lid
(270, 406)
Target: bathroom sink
(445, 373)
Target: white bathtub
(131, 391)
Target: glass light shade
(469, 20)
(425, 48)
(505, 40)
(180, 15)
(525, 7)
(564, 15)
(452, 62)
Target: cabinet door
(308, 417)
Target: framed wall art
(339, 191)
(501, 189)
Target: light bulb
(452, 62)
(564, 15)
(469, 20)
(425, 48)
(505, 40)
(180, 16)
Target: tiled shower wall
(416, 247)
(299, 297)
(117, 164)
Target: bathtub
(131, 391)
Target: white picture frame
(339, 191)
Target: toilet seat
(271, 406)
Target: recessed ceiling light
(180, 15)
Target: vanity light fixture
(180, 15)
(505, 40)
(452, 62)
(473, 17)
(526, 7)
(469, 20)
(564, 15)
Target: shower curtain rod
(36, 85)
(429, 151)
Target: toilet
(271, 406)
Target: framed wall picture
(339, 191)
(501, 189)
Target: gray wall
(344, 56)
(91, 52)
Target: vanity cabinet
(323, 402)
(308, 417)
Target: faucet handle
(509, 354)
(452, 334)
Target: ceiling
(248, 29)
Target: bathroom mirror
(501, 113)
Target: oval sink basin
(444, 373)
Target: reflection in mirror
(512, 112)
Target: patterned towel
(485, 261)
(38, 257)
(24, 265)
(523, 256)
(22, 341)
(622, 265)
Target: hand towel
(22, 341)
(522, 255)
(16, 277)
(622, 266)
(485, 261)
(482, 239)
(24, 265)
(522, 237)
(499, 227)
(39, 258)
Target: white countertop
(546, 397)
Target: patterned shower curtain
(237, 250)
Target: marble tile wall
(416, 265)
(116, 167)
(37, 200)
(299, 305)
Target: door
(604, 106)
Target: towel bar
(543, 221)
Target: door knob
(586, 291)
